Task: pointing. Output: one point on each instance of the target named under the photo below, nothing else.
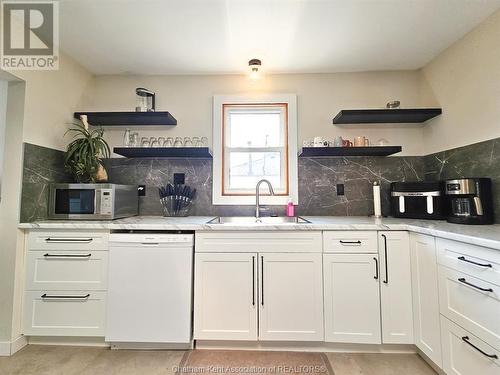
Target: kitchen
(327, 197)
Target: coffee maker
(469, 201)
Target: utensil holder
(176, 205)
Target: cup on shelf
(359, 141)
(161, 141)
(178, 142)
(145, 142)
(188, 142)
(155, 143)
(134, 140)
(204, 142)
(337, 142)
(169, 142)
(318, 142)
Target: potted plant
(84, 154)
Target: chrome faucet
(257, 197)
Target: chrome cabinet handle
(342, 242)
(47, 296)
(67, 255)
(466, 340)
(463, 259)
(463, 281)
(376, 268)
(69, 240)
(386, 281)
(253, 280)
(262, 279)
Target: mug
(359, 141)
(346, 143)
(318, 142)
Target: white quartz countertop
(485, 235)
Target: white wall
(465, 81)
(320, 97)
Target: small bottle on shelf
(290, 208)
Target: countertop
(485, 235)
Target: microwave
(92, 201)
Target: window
(254, 140)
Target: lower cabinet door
(64, 313)
(465, 354)
(424, 275)
(352, 299)
(290, 297)
(225, 296)
(395, 288)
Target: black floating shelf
(318, 152)
(128, 118)
(385, 116)
(164, 152)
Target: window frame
(282, 149)
(289, 101)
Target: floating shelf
(164, 152)
(315, 152)
(128, 118)
(385, 116)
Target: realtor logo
(30, 35)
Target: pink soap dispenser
(290, 208)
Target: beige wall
(320, 97)
(51, 99)
(465, 81)
(11, 239)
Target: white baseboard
(305, 346)
(8, 348)
(68, 341)
(150, 346)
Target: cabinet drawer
(474, 260)
(70, 270)
(262, 242)
(476, 310)
(465, 354)
(64, 313)
(350, 242)
(67, 240)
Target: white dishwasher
(149, 288)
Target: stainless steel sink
(263, 220)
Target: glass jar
(188, 142)
(169, 142)
(134, 139)
(178, 142)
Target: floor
(66, 360)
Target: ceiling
(290, 36)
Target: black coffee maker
(469, 201)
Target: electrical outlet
(141, 190)
(179, 178)
(340, 189)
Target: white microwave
(92, 201)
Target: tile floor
(66, 360)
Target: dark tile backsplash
(41, 167)
(477, 160)
(318, 178)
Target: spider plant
(84, 153)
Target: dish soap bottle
(290, 208)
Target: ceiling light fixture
(254, 65)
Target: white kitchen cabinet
(64, 313)
(65, 283)
(290, 297)
(395, 288)
(466, 354)
(225, 296)
(352, 300)
(425, 296)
